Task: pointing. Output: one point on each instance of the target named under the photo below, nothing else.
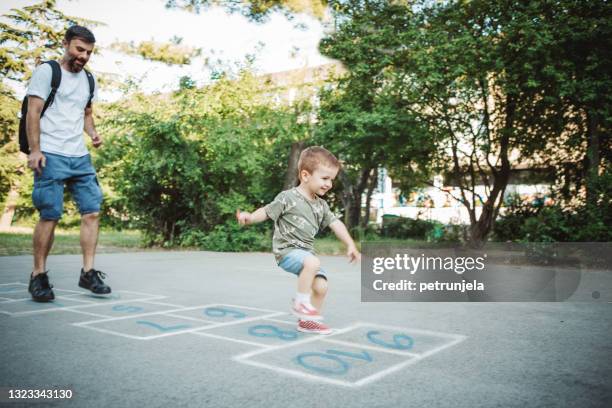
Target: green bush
(509, 225)
(178, 167)
(408, 228)
(401, 227)
(550, 224)
(586, 223)
(446, 233)
(593, 221)
(230, 237)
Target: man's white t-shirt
(61, 127)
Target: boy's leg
(306, 277)
(319, 291)
(306, 266)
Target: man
(59, 158)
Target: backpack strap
(56, 79)
(92, 86)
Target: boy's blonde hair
(313, 157)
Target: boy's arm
(245, 218)
(343, 235)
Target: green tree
(488, 80)
(180, 165)
(256, 10)
(362, 119)
(169, 53)
(584, 38)
(34, 34)
(367, 129)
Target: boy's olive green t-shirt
(296, 221)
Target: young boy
(298, 214)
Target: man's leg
(87, 193)
(91, 278)
(39, 286)
(48, 198)
(89, 238)
(42, 241)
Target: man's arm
(90, 127)
(36, 160)
(245, 218)
(343, 235)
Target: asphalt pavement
(207, 329)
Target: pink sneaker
(305, 311)
(310, 326)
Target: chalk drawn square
(259, 332)
(144, 327)
(12, 287)
(126, 308)
(415, 342)
(23, 294)
(320, 360)
(17, 294)
(220, 313)
(27, 306)
(119, 295)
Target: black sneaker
(92, 280)
(40, 288)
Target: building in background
(438, 203)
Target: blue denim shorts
(293, 263)
(75, 172)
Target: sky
(229, 37)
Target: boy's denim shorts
(75, 172)
(293, 262)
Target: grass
(330, 245)
(67, 242)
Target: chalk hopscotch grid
(74, 297)
(209, 324)
(413, 357)
(270, 315)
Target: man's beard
(74, 66)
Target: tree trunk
(347, 193)
(351, 196)
(9, 209)
(371, 188)
(592, 159)
(291, 177)
(481, 228)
